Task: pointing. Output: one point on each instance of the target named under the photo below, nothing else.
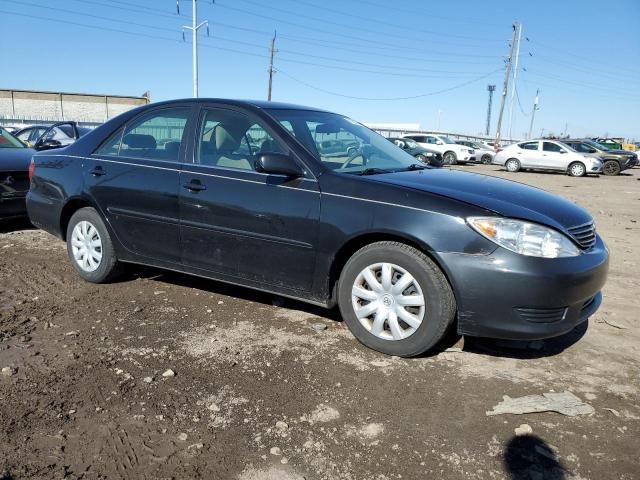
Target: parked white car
(483, 153)
(450, 150)
(547, 155)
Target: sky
(401, 61)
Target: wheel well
(69, 209)
(355, 244)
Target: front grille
(585, 235)
(542, 315)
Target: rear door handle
(195, 186)
(98, 171)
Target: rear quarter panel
(57, 179)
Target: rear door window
(158, 135)
(529, 146)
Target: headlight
(525, 238)
(428, 154)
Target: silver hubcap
(512, 166)
(577, 170)
(86, 246)
(388, 301)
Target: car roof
(262, 104)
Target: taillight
(32, 169)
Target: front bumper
(510, 296)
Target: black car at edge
(242, 192)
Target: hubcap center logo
(387, 300)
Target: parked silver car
(547, 155)
(482, 153)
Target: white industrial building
(28, 107)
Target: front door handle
(195, 186)
(98, 171)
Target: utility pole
(490, 89)
(439, 114)
(533, 114)
(506, 83)
(194, 27)
(272, 50)
(515, 78)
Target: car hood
(504, 197)
(15, 159)
(626, 153)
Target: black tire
(439, 308)
(108, 267)
(577, 169)
(611, 167)
(513, 165)
(486, 159)
(449, 158)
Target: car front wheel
(577, 169)
(449, 158)
(90, 248)
(394, 299)
(611, 167)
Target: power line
(431, 16)
(307, 27)
(376, 21)
(412, 97)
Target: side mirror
(278, 164)
(439, 142)
(48, 144)
(563, 151)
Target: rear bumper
(13, 205)
(509, 296)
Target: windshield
(597, 146)
(342, 144)
(410, 143)
(9, 141)
(447, 140)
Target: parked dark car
(14, 176)
(614, 161)
(429, 157)
(405, 250)
(57, 135)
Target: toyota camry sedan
(241, 192)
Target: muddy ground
(270, 389)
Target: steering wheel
(352, 156)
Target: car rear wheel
(486, 159)
(450, 158)
(577, 169)
(394, 299)
(512, 165)
(611, 167)
(90, 248)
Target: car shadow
(229, 290)
(14, 225)
(451, 340)
(529, 456)
(520, 349)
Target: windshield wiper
(371, 171)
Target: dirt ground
(270, 389)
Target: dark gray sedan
(243, 192)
